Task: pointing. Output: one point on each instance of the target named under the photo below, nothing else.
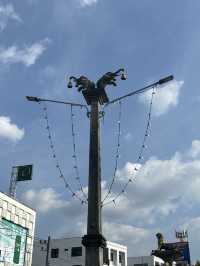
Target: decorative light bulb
(69, 85)
(123, 76)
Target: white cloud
(160, 187)
(194, 152)
(87, 2)
(44, 200)
(138, 240)
(10, 131)
(49, 72)
(7, 13)
(28, 55)
(51, 205)
(165, 98)
(128, 136)
(121, 232)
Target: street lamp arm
(36, 99)
(160, 82)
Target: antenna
(182, 236)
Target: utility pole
(47, 254)
(95, 95)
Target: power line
(54, 155)
(140, 156)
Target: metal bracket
(96, 240)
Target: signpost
(24, 173)
(19, 173)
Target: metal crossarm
(36, 99)
(160, 82)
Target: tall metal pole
(47, 254)
(94, 241)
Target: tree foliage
(197, 263)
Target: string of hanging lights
(139, 158)
(54, 155)
(76, 169)
(117, 155)
(74, 156)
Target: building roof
(15, 200)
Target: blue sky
(42, 43)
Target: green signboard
(12, 243)
(18, 241)
(24, 172)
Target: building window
(54, 253)
(66, 250)
(43, 241)
(121, 256)
(106, 256)
(112, 256)
(76, 252)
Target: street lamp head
(165, 80)
(32, 99)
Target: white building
(17, 224)
(145, 261)
(70, 252)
